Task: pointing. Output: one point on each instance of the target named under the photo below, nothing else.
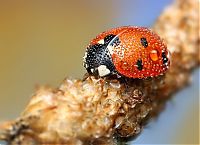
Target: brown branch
(95, 110)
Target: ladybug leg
(85, 76)
(125, 82)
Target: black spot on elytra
(164, 58)
(139, 64)
(144, 42)
(112, 39)
(97, 55)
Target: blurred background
(42, 42)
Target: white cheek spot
(101, 41)
(103, 70)
(84, 59)
(85, 65)
(110, 49)
(92, 70)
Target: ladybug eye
(144, 42)
(154, 55)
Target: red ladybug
(133, 52)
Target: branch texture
(96, 110)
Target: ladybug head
(98, 61)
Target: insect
(130, 51)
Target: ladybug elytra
(133, 52)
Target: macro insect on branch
(94, 110)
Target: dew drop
(154, 55)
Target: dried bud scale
(93, 110)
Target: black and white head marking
(111, 41)
(98, 60)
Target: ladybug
(130, 51)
